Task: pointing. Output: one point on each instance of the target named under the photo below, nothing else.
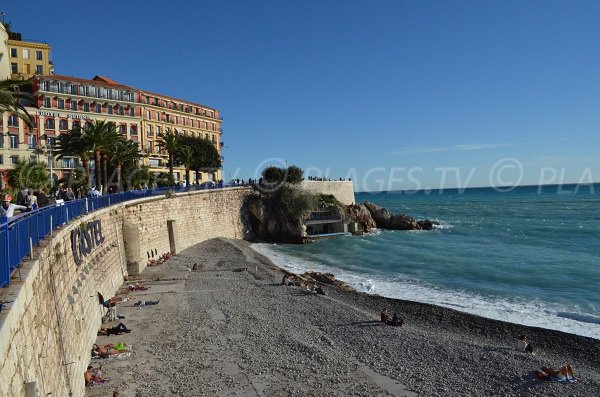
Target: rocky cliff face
(268, 227)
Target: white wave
(518, 311)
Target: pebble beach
(229, 328)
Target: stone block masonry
(46, 333)
(342, 190)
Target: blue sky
(394, 94)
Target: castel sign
(85, 238)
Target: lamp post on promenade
(50, 157)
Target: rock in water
(383, 219)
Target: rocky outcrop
(385, 220)
(327, 278)
(361, 215)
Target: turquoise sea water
(529, 256)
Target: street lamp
(50, 159)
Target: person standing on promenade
(31, 200)
(42, 200)
(8, 209)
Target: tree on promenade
(124, 153)
(185, 156)
(75, 144)
(12, 99)
(28, 175)
(169, 142)
(205, 155)
(102, 136)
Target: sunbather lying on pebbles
(564, 375)
(104, 351)
(145, 303)
(116, 330)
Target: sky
(396, 95)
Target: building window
(133, 130)
(73, 105)
(1, 141)
(149, 130)
(49, 123)
(39, 69)
(39, 55)
(14, 68)
(31, 142)
(61, 103)
(14, 141)
(86, 107)
(13, 52)
(63, 125)
(176, 120)
(13, 121)
(47, 102)
(14, 159)
(123, 129)
(158, 130)
(46, 86)
(132, 112)
(121, 111)
(25, 53)
(1, 159)
(98, 108)
(109, 109)
(74, 89)
(76, 123)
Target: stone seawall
(47, 330)
(342, 190)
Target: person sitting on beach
(93, 376)
(145, 303)
(116, 330)
(319, 290)
(523, 345)
(285, 280)
(395, 321)
(385, 315)
(564, 374)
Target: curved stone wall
(47, 330)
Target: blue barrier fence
(19, 233)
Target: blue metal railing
(19, 233)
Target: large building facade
(62, 102)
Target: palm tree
(102, 136)
(185, 155)
(11, 99)
(169, 141)
(206, 156)
(123, 152)
(75, 143)
(27, 174)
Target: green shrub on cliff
(276, 175)
(290, 204)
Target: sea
(528, 255)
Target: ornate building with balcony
(161, 114)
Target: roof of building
(97, 80)
(176, 99)
(106, 81)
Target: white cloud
(462, 147)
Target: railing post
(86, 205)
(51, 225)
(5, 267)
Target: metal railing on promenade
(19, 234)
